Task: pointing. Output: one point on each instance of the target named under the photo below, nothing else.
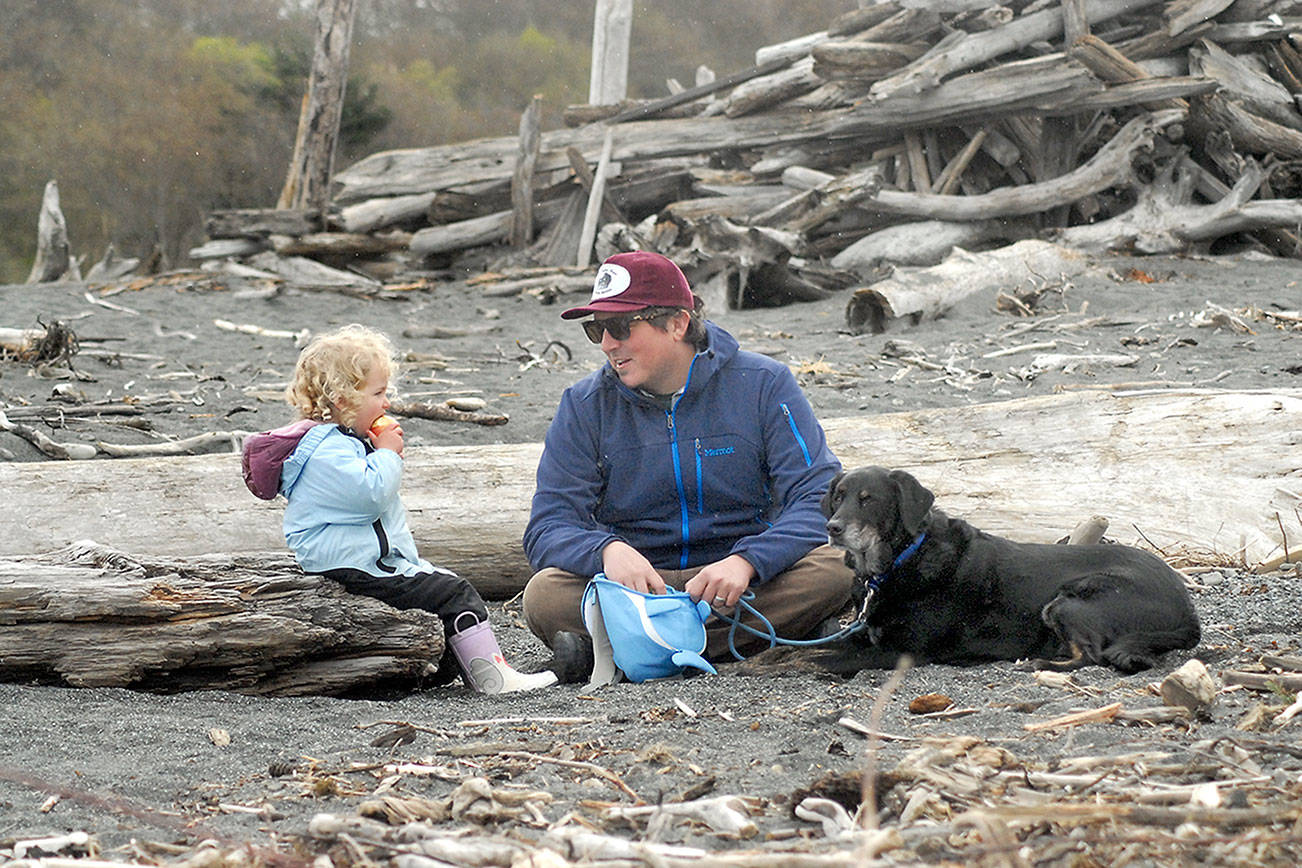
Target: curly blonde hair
(332, 369)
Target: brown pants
(815, 588)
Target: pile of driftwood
(902, 131)
(917, 795)
(957, 799)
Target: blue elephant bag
(645, 635)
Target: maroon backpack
(264, 453)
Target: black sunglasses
(618, 326)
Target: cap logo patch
(611, 280)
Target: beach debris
(1190, 686)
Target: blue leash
(860, 621)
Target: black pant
(441, 592)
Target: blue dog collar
(900, 560)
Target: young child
(345, 519)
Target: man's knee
(823, 571)
(551, 603)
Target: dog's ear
(826, 503)
(915, 501)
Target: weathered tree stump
(52, 254)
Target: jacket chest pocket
(727, 470)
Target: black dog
(946, 592)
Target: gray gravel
(130, 766)
(127, 765)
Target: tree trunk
(475, 232)
(341, 244)
(385, 211)
(926, 242)
(92, 616)
(612, 24)
(1030, 469)
(522, 196)
(308, 183)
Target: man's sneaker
(573, 657)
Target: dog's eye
(865, 496)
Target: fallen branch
(726, 814)
(47, 446)
(591, 768)
(199, 444)
(1097, 715)
(298, 337)
(1256, 681)
(443, 413)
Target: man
(682, 462)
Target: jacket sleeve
(800, 467)
(562, 531)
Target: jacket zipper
(796, 431)
(678, 482)
(700, 480)
(678, 469)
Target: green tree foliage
(151, 113)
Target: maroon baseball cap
(632, 281)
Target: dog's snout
(835, 528)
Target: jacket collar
(720, 347)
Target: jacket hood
(293, 465)
(264, 453)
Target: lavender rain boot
(483, 666)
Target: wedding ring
(719, 599)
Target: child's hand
(386, 433)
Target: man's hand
(722, 583)
(624, 564)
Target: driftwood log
(91, 616)
(1030, 469)
(914, 295)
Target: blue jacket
(344, 510)
(738, 466)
